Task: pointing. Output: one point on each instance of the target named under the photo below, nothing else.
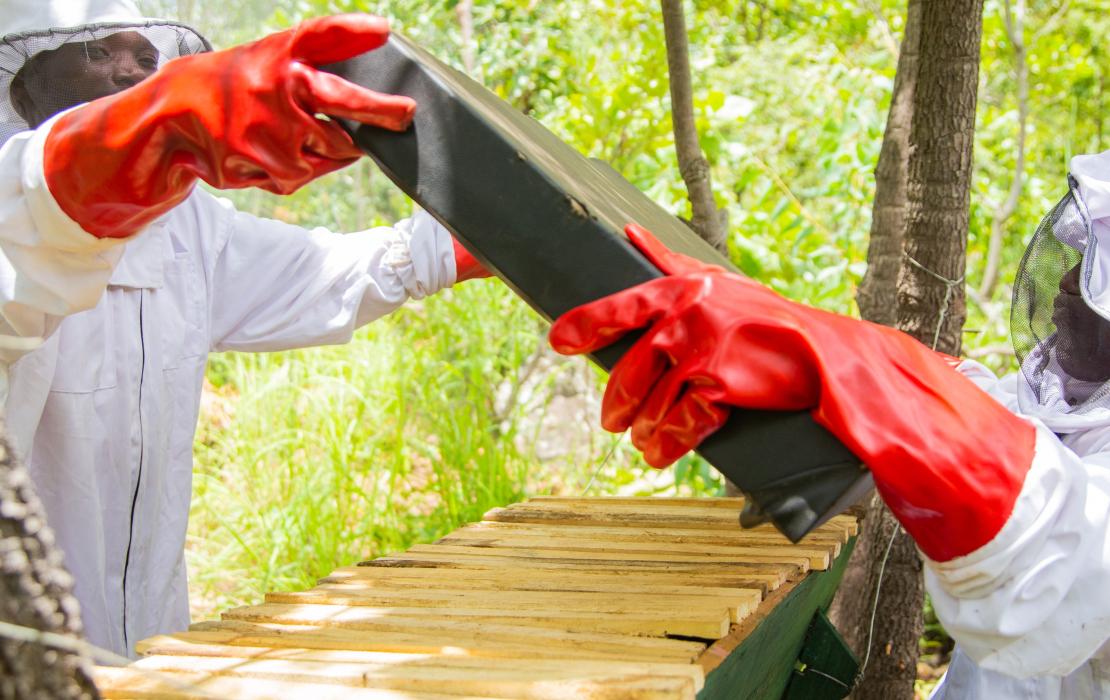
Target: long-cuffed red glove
(237, 118)
(467, 266)
(947, 458)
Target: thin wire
(875, 602)
(949, 285)
(87, 651)
(604, 461)
(80, 647)
(834, 679)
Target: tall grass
(313, 459)
(310, 459)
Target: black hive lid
(550, 222)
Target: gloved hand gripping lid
(550, 223)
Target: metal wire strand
(875, 603)
(89, 651)
(603, 462)
(949, 285)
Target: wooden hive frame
(556, 598)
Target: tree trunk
(36, 593)
(930, 286)
(876, 294)
(929, 305)
(707, 220)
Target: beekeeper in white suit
(130, 274)
(1003, 484)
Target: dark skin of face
(1088, 335)
(80, 72)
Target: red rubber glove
(237, 118)
(947, 458)
(467, 266)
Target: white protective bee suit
(1030, 610)
(104, 411)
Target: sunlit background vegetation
(313, 459)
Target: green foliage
(312, 459)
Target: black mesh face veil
(1063, 344)
(25, 62)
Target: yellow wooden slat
(710, 520)
(674, 507)
(773, 574)
(664, 504)
(521, 680)
(740, 597)
(680, 623)
(382, 572)
(463, 636)
(720, 562)
(818, 557)
(450, 638)
(626, 603)
(130, 683)
(833, 539)
(647, 502)
(570, 518)
(529, 666)
(572, 512)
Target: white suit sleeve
(49, 266)
(275, 286)
(1036, 599)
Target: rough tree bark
(707, 220)
(934, 228)
(939, 190)
(35, 592)
(875, 296)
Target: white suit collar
(142, 265)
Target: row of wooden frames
(552, 598)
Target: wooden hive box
(604, 598)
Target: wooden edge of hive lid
(550, 222)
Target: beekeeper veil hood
(1060, 319)
(29, 28)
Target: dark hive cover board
(550, 223)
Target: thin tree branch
(693, 166)
(785, 189)
(889, 40)
(1049, 25)
(1014, 21)
(464, 11)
